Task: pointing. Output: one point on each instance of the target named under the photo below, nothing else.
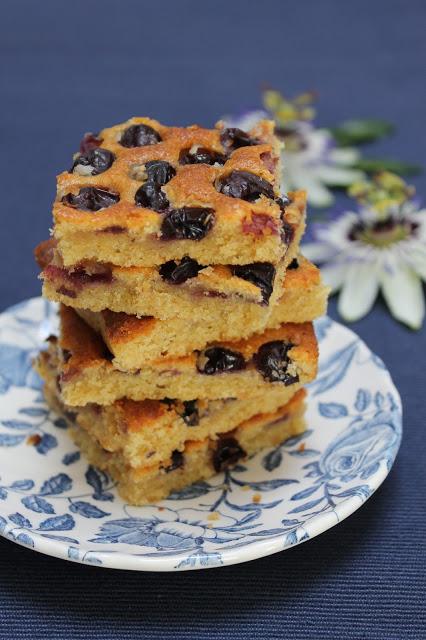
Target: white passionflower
(312, 161)
(362, 253)
(310, 158)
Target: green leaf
(373, 165)
(353, 132)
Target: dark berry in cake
(91, 199)
(190, 414)
(93, 162)
(273, 362)
(186, 409)
(159, 172)
(244, 185)
(150, 196)
(261, 274)
(227, 453)
(220, 360)
(187, 223)
(178, 272)
(139, 135)
(234, 138)
(201, 156)
(176, 461)
(293, 264)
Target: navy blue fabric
(69, 67)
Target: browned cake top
(197, 161)
(135, 415)
(122, 327)
(82, 345)
(301, 274)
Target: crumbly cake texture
(214, 291)
(149, 431)
(164, 289)
(134, 341)
(304, 296)
(173, 290)
(199, 460)
(278, 358)
(120, 205)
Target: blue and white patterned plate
(53, 502)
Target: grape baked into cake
(185, 305)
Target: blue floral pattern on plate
(51, 500)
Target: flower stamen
(383, 233)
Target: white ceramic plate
(53, 502)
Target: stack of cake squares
(185, 307)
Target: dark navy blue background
(69, 67)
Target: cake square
(278, 358)
(142, 194)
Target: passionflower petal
(403, 292)
(359, 291)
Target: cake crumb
(301, 447)
(213, 516)
(256, 498)
(34, 440)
